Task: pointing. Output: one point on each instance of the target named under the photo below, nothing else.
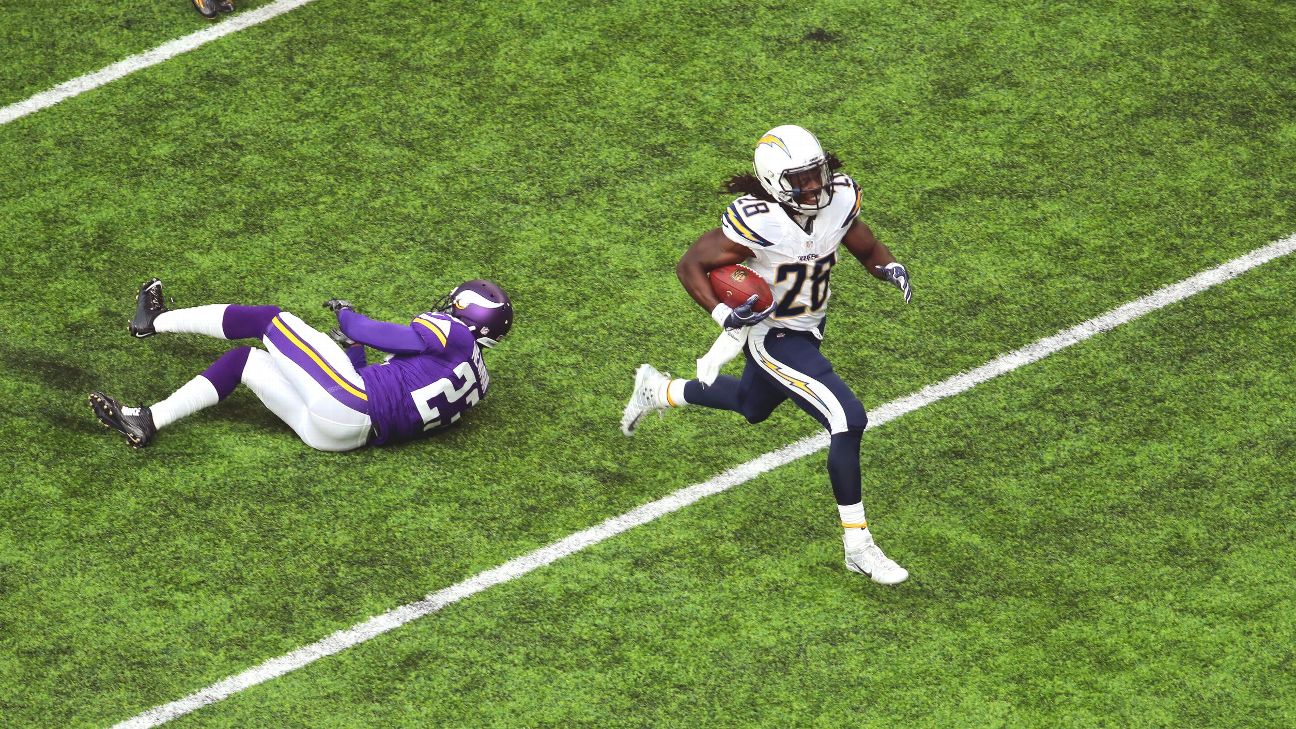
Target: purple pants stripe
(296, 349)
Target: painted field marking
(520, 566)
(81, 84)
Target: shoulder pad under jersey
(752, 222)
(436, 328)
(847, 196)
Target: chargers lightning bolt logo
(775, 141)
(796, 383)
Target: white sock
(209, 320)
(193, 396)
(855, 533)
(675, 393)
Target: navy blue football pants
(783, 364)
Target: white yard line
(66, 90)
(520, 566)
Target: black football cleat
(208, 8)
(148, 304)
(138, 429)
(225, 6)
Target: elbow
(687, 269)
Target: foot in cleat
(225, 6)
(647, 397)
(134, 423)
(208, 8)
(869, 560)
(148, 304)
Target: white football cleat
(880, 568)
(646, 398)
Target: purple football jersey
(413, 394)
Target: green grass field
(1103, 538)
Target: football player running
(787, 227)
(328, 395)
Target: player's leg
(265, 375)
(752, 396)
(302, 389)
(324, 378)
(140, 424)
(258, 370)
(650, 394)
(794, 361)
(223, 321)
(209, 8)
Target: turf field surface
(1034, 165)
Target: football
(735, 284)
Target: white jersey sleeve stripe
(859, 198)
(732, 220)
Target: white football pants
(306, 379)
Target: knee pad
(755, 415)
(259, 366)
(856, 417)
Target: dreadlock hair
(747, 184)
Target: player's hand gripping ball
(735, 284)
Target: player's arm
(385, 336)
(877, 258)
(355, 351)
(712, 251)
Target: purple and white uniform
(434, 375)
(328, 395)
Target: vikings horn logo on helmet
(468, 298)
(483, 306)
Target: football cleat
(880, 568)
(225, 6)
(208, 8)
(646, 398)
(137, 427)
(148, 304)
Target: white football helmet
(793, 168)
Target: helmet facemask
(807, 189)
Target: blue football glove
(743, 316)
(336, 305)
(896, 275)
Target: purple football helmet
(484, 307)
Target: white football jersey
(795, 262)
